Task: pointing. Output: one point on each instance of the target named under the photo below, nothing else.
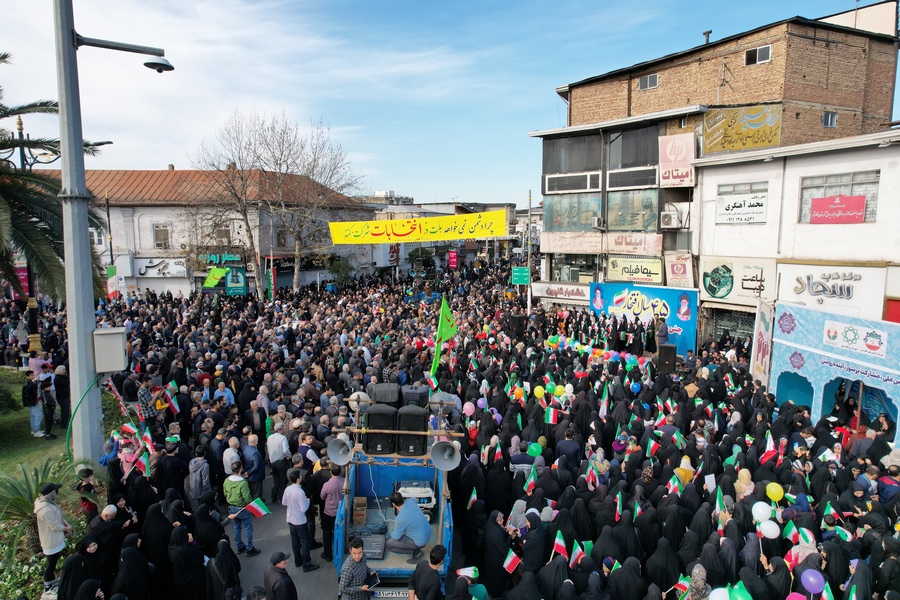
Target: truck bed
(394, 565)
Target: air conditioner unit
(670, 220)
(598, 223)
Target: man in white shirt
(231, 454)
(297, 504)
(279, 454)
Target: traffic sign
(520, 276)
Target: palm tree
(30, 211)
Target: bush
(8, 402)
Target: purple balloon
(813, 581)
(482, 403)
(498, 418)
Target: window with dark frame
(161, 237)
(860, 183)
(648, 82)
(829, 119)
(756, 56)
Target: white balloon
(719, 594)
(770, 529)
(761, 512)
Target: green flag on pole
(215, 274)
(446, 329)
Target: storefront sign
(740, 209)
(761, 356)
(680, 270)
(572, 243)
(726, 129)
(848, 290)
(235, 282)
(452, 259)
(648, 244)
(677, 306)
(735, 280)
(455, 227)
(636, 269)
(387, 255)
(675, 155)
(871, 342)
(570, 293)
(837, 210)
(219, 259)
(632, 210)
(160, 267)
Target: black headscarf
(861, 580)
(626, 581)
(207, 530)
(581, 520)
(155, 536)
(496, 548)
(88, 590)
(606, 545)
(74, 573)
(550, 578)
(664, 566)
(754, 584)
(527, 589)
(498, 488)
(689, 550)
(715, 573)
(134, 575)
(224, 570)
(534, 546)
(187, 566)
(779, 579)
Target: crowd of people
(585, 472)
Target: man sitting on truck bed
(411, 528)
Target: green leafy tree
(342, 271)
(30, 211)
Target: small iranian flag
(698, 471)
(770, 451)
(128, 428)
(674, 485)
(143, 465)
(498, 453)
(660, 420)
(620, 297)
(682, 585)
(148, 439)
(829, 510)
(577, 554)
(652, 447)
(844, 534)
(532, 479)
(551, 416)
(473, 364)
(679, 440)
(257, 508)
(791, 533)
(551, 503)
(791, 498)
(618, 506)
(472, 500)
(591, 476)
(484, 454)
(112, 390)
(512, 561)
(670, 405)
(637, 512)
(807, 536)
(720, 502)
(826, 593)
(559, 545)
(432, 381)
(615, 566)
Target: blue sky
(431, 99)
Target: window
(161, 237)
(222, 235)
(648, 82)
(743, 188)
(96, 236)
(683, 123)
(579, 154)
(861, 183)
(755, 56)
(829, 119)
(634, 148)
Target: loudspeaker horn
(444, 455)
(339, 452)
(442, 400)
(357, 398)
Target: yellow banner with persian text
(426, 229)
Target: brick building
(617, 181)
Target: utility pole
(528, 233)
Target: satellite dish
(442, 400)
(359, 401)
(339, 452)
(444, 455)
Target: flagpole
(528, 233)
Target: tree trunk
(257, 257)
(297, 264)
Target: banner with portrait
(643, 302)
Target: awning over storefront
(724, 306)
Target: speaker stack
(666, 358)
(379, 416)
(412, 418)
(386, 393)
(415, 395)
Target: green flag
(446, 329)
(215, 274)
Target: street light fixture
(88, 422)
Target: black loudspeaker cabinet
(412, 418)
(386, 393)
(380, 416)
(517, 325)
(666, 358)
(415, 395)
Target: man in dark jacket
(254, 465)
(279, 585)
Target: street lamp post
(87, 426)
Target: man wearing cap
(52, 529)
(279, 585)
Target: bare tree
(272, 165)
(309, 175)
